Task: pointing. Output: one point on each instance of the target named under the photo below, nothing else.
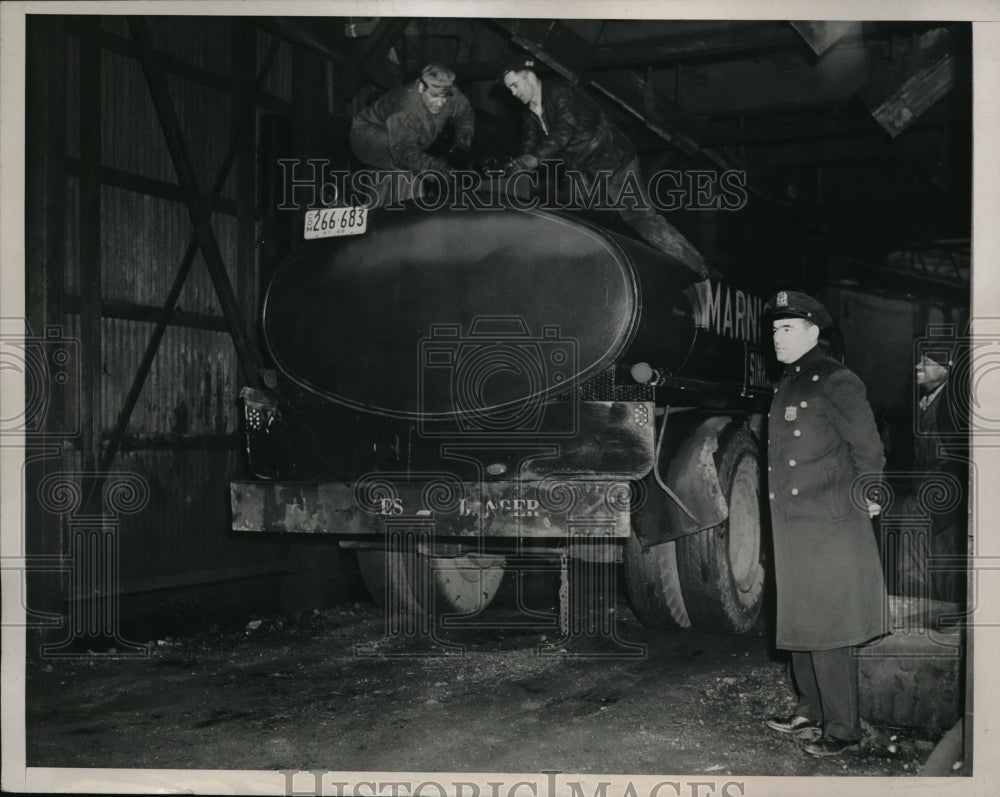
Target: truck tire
(651, 581)
(413, 582)
(653, 587)
(720, 569)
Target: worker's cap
(439, 80)
(516, 63)
(793, 304)
(942, 352)
(938, 357)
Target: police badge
(782, 300)
(791, 413)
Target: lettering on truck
(513, 507)
(728, 311)
(756, 375)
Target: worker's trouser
(651, 226)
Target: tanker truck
(457, 391)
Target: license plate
(328, 222)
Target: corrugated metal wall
(183, 437)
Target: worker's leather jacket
(576, 131)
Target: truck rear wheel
(408, 582)
(654, 589)
(651, 579)
(720, 569)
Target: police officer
(396, 130)
(561, 121)
(830, 589)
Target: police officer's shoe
(830, 745)
(800, 727)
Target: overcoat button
(803, 403)
(795, 491)
(815, 377)
(791, 463)
(797, 433)
(771, 496)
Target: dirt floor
(333, 690)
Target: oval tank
(429, 314)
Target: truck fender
(692, 476)
(690, 496)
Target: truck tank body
(431, 315)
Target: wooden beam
(147, 314)
(383, 37)
(178, 442)
(822, 35)
(719, 42)
(303, 35)
(121, 45)
(90, 241)
(150, 186)
(244, 72)
(200, 219)
(45, 279)
(244, 120)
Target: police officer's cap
(793, 304)
(438, 78)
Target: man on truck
(395, 132)
(562, 121)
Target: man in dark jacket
(939, 452)
(395, 131)
(831, 594)
(562, 121)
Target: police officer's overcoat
(821, 437)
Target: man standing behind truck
(831, 594)
(936, 458)
(395, 131)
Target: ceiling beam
(713, 41)
(303, 33)
(375, 48)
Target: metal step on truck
(460, 392)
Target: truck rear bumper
(439, 504)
